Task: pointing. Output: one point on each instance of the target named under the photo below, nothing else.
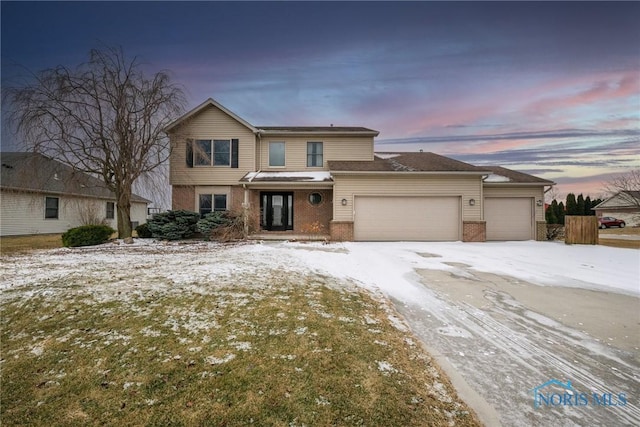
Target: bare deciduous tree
(105, 117)
(627, 186)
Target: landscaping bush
(173, 225)
(87, 235)
(143, 231)
(233, 229)
(211, 222)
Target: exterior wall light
(472, 202)
(539, 203)
(344, 202)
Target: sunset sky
(546, 88)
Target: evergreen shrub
(143, 231)
(87, 235)
(212, 221)
(173, 225)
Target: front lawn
(127, 344)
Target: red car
(609, 221)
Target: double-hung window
(51, 207)
(216, 152)
(276, 154)
(111, 210)
(212, 203)
(314, 154)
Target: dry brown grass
(607, 237)
(290, 350)
(23, 244)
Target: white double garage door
(438, 218)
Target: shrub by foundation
(87, 235)
(173, 225)
(143, 231)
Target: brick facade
(183, 197)
(474, 231)
(541, 231)
(341, 231)
(307, 218)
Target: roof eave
(518, 184)
(317, 132)
(346, 172)
(139, 199)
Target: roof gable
(34, 172)
(623, 199)
(208, 103)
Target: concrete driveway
(499, 338)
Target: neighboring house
(624, 205)
(299, 182)
(40, 195)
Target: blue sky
(547, 88)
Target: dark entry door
(276, 211)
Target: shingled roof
(406, 162)
(34, 172)
(502, 175)
(317, 130)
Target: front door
(276, 211)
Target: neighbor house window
(51, 207)
(202, 153)
(212, 202)
(111, 210)
(276, 153)
(314, 154)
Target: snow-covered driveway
(502, 318)
(505, 318)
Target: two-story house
(292, 181)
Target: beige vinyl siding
(537, 193)
(465, 186)
(211, 123)
(333, 147)
(23, 213)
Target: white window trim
(269, 154)
(322, 154)
(44, 214)
(213, 153)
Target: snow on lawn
(384, 265)
(387, 267)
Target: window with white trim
(277, 153)
(212, 152)
(51, 207)
(208, 203)
(111, 210)
(314, 154)
(216, 152)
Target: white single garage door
(509, 218)
(407, 218)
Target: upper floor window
(314, 154)
(276, 154)
(51, 207)
(212, 152)
(111, 210)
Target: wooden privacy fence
(582, 230)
